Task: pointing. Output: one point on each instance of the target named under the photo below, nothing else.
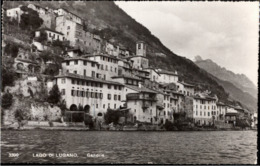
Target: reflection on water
(217, 147)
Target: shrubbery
(54, 95)
(7, 100)
(113, 116)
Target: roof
(77, 76)
(186, 84)
(48, 29)
(231, 114)
(141, 70)
(104, 55)
(78, 58)
(142, 89)
(136, 57)
(220, 103)
(126, 76)
(71, 13)
(167, 72)
(204, 97)
(26, 60)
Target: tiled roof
(186, 84)
(142, 89)
(79, 58)
(77, 76)
(104, 55)
(48, 29)
(167, 72)
(126, 76)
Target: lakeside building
(94, 95)
(201, 108)
(142, 104)
(222, 110)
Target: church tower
(140, 49)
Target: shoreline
(87, 129)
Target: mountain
(112, 23)
(239, 80)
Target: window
(119, 97)
(104, 106)
(63, 92)
(78, 93)
(85, 63)
(68, 33)
(101, 95)
(208, 113)
(200, 113)
(108, 96)
(101, 85)
(93, 74)
(63, 81)
(115, 97)
(68, 63)
(96, 95)
(109, 86)
(85, 72)
(83, 94)
(108, 106)
(96, 105)
(106, 68)
(115, 70)
(92, 64)
(196, 112)
(75, 72)
(87, 94)
(68, 27)
(73, 81)
(115, 87)
(119, 87)
(92, 94)
(49, 34)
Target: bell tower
(140, 49)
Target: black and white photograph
(129, 82)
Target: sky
(225, 32)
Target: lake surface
(207, 147)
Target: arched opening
(73, 107)
(87, 109)
(134, 119)
(19, 66)
(99, 114)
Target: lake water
(207, 147)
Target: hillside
(112, 23)
(239, 80)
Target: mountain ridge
(121, 28)
(239, 80)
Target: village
(99, 80)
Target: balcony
(138, 96)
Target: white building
(185, 88)
(70, 16)
(95, 95)
(14, 13)
(51, 34)
(167, 76)
(153, 74)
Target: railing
(138, 96)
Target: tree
(54, 95)
(8, 74)
(113, 116)
(12, 49)
(63, 107)
(30, 19)
(7, 100)
(46, 55)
